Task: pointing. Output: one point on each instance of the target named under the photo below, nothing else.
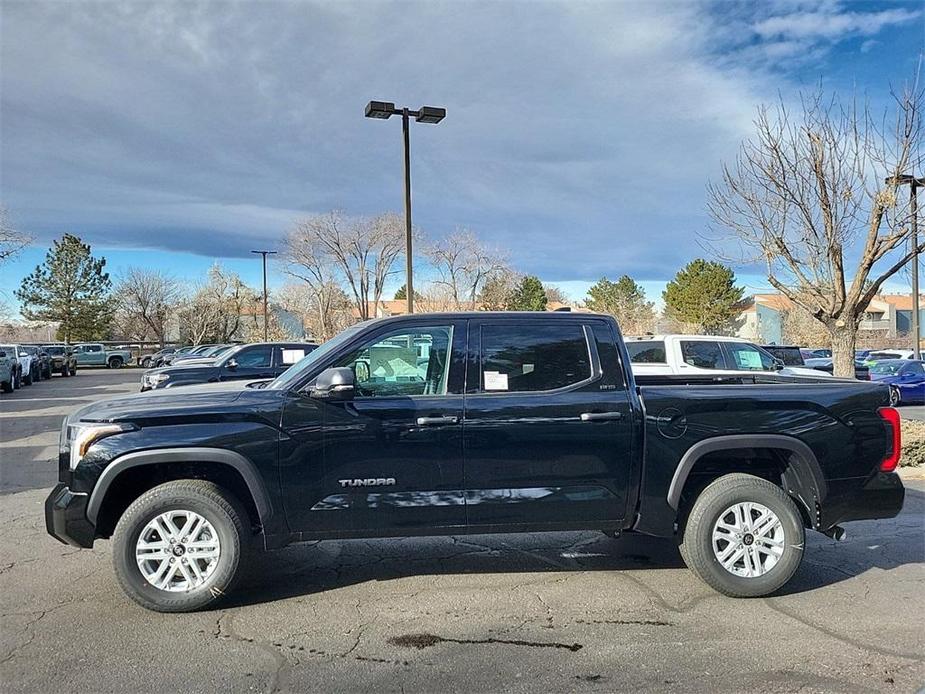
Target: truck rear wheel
(115, 362)
(180, 546)
(744, 536)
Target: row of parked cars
(172, 367)
(23, 365)
(712, 357)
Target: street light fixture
(266, 325)
(914, 184)
(383, 110)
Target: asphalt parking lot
(555, 612)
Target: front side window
(914, 369)
(646, 351)
(702, 354)
(746, 357)
(93, 348)
(409, 361)
(255, 358)
(519, 358)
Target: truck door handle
(434, 421)
(600, 416)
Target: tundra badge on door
(369, 482)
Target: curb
(912, 473)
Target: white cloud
(832, 24)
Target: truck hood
(201, 399)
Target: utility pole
(914, 185)
(266, 324)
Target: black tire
(115, 363)
(895, 397)
(7, 386)
(713, 502)
(146, 362)
(27, 379)
(210, 501)
(64, 371)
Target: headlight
(81, 436)
(154, 379)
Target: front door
(389, 460)
(248, 363)
(548, 439)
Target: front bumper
(66, 517)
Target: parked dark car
(438, 424)
(167, 358)
(63, 359)
(906, 378)
(201, 353)
(42, 360)
(790, 355)
(153, 360)
(262, 360)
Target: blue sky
(579, 135)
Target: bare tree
(214, 312)
(11, 240)
(464, 264)
(324, 310)
(360, 252)
(146, 299)
(807, 197)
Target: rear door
(548, 430)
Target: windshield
(306, 363)
(887, 368)
(54, 350)
(219, 351)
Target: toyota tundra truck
(448, 424)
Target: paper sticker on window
(528, 369)
(749, 360)
(291, 356)
(495, 380)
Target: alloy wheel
(177, 551)
(748, 539)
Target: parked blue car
(906, 378)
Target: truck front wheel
(744, 536)
(180, 546)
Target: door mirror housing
(778, 364)
(232, 364)
(334, 384)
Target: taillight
(891, 416)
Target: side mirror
(334, 384)
(778, 364)
(232, 364)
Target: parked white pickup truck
(705, 355)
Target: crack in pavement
(421, 641)
(280, 661)
(772, 603)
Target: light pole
(914, 184)
(426, 114)
(266, 325)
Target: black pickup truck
(472, 423)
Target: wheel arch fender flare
(213, 456)
(802, 478)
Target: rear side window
(702, 354)
(646, 351)
(746, 357)
(518, 358)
